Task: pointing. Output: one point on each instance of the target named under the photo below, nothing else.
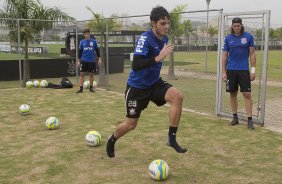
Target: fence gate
(256, 23)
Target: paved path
(273, 115)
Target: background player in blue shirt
(238, 47)
(86, 59)
(144, 83)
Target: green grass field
(30, 153)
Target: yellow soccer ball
(93, 138)
(52, 123)
(158, 170)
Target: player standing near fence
(238, 47)
(144, 83)
(86, 59)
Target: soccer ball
(43, 84)
(93, 138)
(24, 109)
(52, 123)
(94, 84)
(29, 84)
(36, 83)
(158, 170)
(86, 84)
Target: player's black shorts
(138, 99)
(87, 67)
(237, 78)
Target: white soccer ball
(52, 123)
(158, 170)
(43, 83)
(93, 138)
(36, 83)
(24, 109)
(29, 84)
(86, 84)
(94, 84)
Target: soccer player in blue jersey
(238, 47)
(145, 84)
(86, 59)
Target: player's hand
(164, 52)
(99, 62)
(78, 63)
(252, 76)
(224, 76)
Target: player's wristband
(253, 70)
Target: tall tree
(176, 30)
(273, 35)
(279, 32)
(98, 24)
(34, 11)
(212, 31)
(188, 29)
(258, 34)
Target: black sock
(235, 116)
(111, 146)
(250, 119)
(172, 140)
(80, 89)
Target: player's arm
(225, 49)
(253, 63)
(223, 64)
(164, 52)
(80, 50)
(97, 50)
(139, 62)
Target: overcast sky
(76, 8)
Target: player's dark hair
(239, 21)
(86, 31)
(159, 13)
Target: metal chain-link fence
(252, 22)
(9, 52)
(192, 68)
(47, 55)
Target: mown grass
(30, 153)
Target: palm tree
(176, 30)
(258, 34)
(279, 31)
(98, 24)
(188, 29)
(34, 11)
(273, 36)
(212, 31)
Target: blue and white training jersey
(148, 46)
(88, 48)
(238, 50)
